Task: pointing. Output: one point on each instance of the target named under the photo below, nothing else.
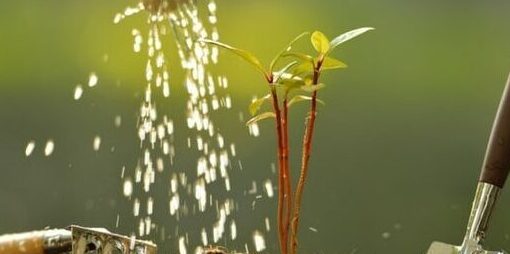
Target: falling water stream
(192, 187)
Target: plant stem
(307, 147)
(286, 173)
(281, 170)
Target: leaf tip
(320, 42)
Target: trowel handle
(496, 164)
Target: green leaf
(329, 63)
(246, 55)
(256, 104)
(320, 42)
(284, 76)
(312, 88)
(288, 48)
(308, 79)
(304, 67)
(348, 35)
(280, 73)
(300, 98)
(292, 83)
(261, 116)
(301, 56)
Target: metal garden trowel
(495, 170)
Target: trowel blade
(444, 248)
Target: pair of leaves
(295, 80)
(290, 83)
(328, 63)
(267, 115)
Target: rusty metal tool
(495, 170)
(73, 240)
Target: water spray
(163, 6)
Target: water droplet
(118, 121)
(212, 7)
(78, 92)
(117, 221)
(182, 246)
(148, 225)
(136, 207)
(29, 148)
(97, 143)
(268, 186)
(128, 188)
(259, 242)
(132, 242)
(253, 189)
(93, 79)
(141, 228)
(174, 204)
(49, 148)
(118, 17)
(233, 230)
(254, 129)
(204, 237)
(201, 194)
(150, 206)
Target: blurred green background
(398, 145)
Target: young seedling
(296, 81)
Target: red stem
(281, 170)
(286, 173)
(307, 149)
